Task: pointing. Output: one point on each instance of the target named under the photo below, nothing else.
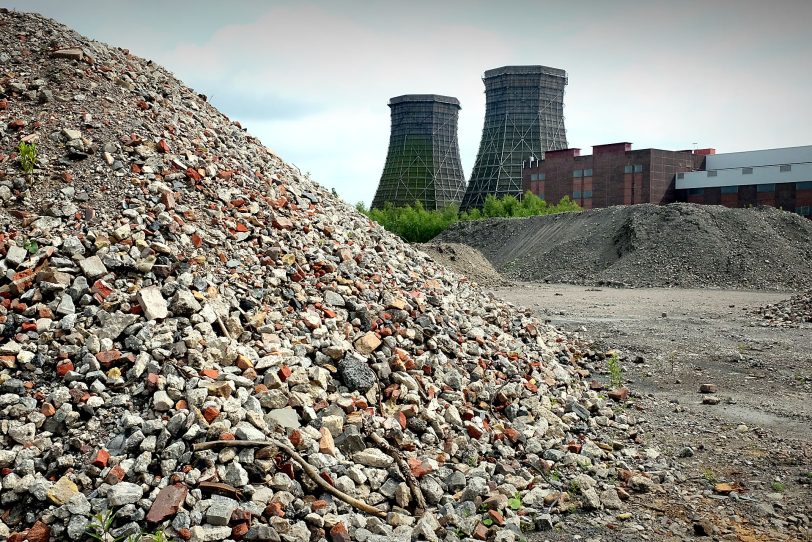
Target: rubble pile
(678, 245)
(200, 339)
(791, 312)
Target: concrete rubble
(168, 281)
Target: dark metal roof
(525, 70)
(423, 98)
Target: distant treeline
(418, 225)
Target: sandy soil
(759, 436)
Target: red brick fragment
(480, 532)
(108, 357)
(101, 459)
(40, 532)
(275, 510)
(496, 516)
(239, 531)
(64, 368)
(167, 503)
(47, 410)
(339, 533)
(210, 414)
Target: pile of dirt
(791, 312)
(200, 339)
(680, 244)
(467, 262)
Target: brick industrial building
(614, 174)
(776, 177)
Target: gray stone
(260, 531)
(285, 417)
(202, 533)
(333, 298)
(66, 306)
(77, 527)
(641, 484)
(373, 457)
(93, 268)
(161, 401)
(590, 499)
(15, 256)
(220, 510)
(246, 431)
(78, 504)
(235, 475)
(427, 527)
(544, 522)
(71, 134)
(579, 410)
(22, 433)
(114, 324)
(124, 493)
(432, 490)
(610, 499)
(183, 303)
(350, 441)
(356, 374)
(455, 481)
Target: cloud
(313, 84)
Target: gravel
(681, 244)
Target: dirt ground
(757, 438)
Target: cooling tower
(524, 116)
(423, 162)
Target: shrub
(417, 225)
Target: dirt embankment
(647, 245)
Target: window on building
(576, 194)
(767, 187)
(696, 191)
(578, 173)
(588, 172)
(730, 189)
(806, 210)
(785, 168)
(712, 173)
(680, 175)
(587, 194)
(542, 176)
(628, 169)
(638, 168)
(747, 171)
(804, 186)
(534, 176)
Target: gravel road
(758, 435)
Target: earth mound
(205, 342)
(681, 244)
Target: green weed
(615, 371)
(28, 156)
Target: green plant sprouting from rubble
(101, 524)
(28, 156)
(615, 377)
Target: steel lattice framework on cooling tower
(423, 162)
(524, 116)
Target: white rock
(153, 303)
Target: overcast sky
(312, 79)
